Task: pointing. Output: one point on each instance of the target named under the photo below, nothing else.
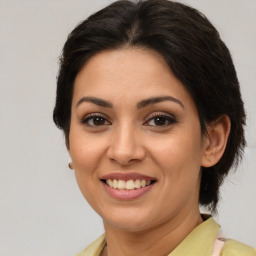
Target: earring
(70, 166)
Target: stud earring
(70, 166)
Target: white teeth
(121, 184)
(143, 183)
(129, 185)
(110, 183)
(115, 184)
(137, 184)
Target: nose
(126, 145)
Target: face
(135, 140)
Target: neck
(159, 240)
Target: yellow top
(198, 243)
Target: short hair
(192, 48)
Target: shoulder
(235, 248)
(95, 248)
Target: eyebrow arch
(96, 101)
(155, 100)
(141, 104)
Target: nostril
(125, 151)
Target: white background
(41, 209)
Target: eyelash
(170, 119)
(91, 116)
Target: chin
(130, 221)
(128, 226)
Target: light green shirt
(199, 242)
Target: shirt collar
(200, 241)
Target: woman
(150, 105)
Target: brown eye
(98, 121)
(160, 120)
(95, 120)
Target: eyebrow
(141, 104)
(96, 101)
(155, 100)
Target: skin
(129, 139)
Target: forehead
(127, 74)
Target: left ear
(215, 141)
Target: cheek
(86, 155)
(176, 149)
(179, 156)
(179, 162)
(86, 151)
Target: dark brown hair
(194, 52)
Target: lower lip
(127, 194)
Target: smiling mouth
(128, 184)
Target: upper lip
(126, 176)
